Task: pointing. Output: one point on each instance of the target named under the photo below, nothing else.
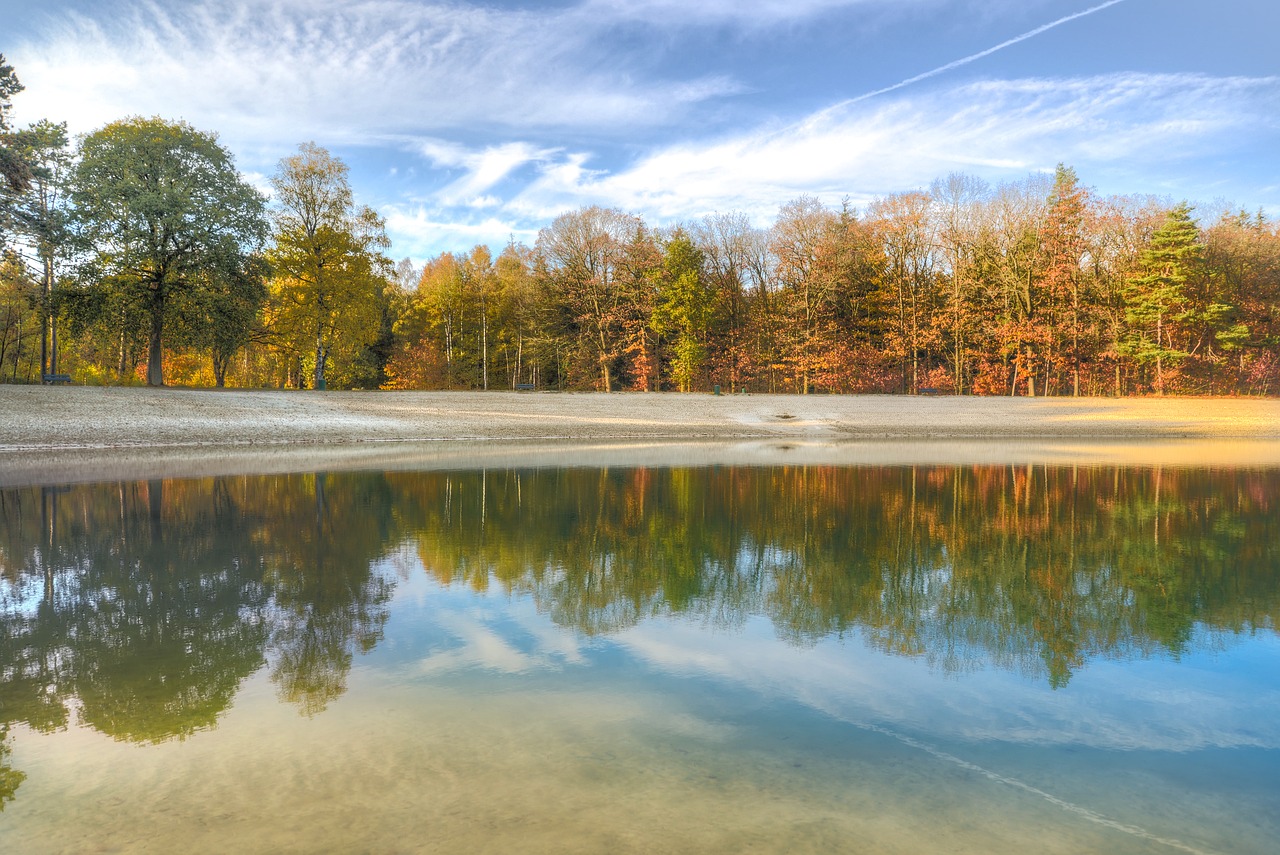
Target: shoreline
(73, 433)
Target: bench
(50, 379)
(525, 387)
(929, 390)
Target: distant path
(36, 417)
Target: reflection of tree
(151, 602)
(10, 778)
(149, 612)
(1028, 568)
(329, 598)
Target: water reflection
(149, 603)
(1032, 569)
(146, 605)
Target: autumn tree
(1242, 251)
(1007, 293)
(330, 274)
(517, 312)
(906, 233)
(795, 241)
(1062, 244)
(19, 320)
(954, 203)
(159, 204)
(583, 250)
(736, 264)
(641, 283)
(219, 314)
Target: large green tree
(159, 205)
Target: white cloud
(484, 168)
(758, 14)
(1001, 130)
(420, 233)
(861, 150)
(353, 71)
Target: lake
(803, 658)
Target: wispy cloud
(420, 232)
(750, 12)
(867, 149)
(348, 71)
(482, 169)
(1001, 130)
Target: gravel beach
(50, 431)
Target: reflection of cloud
(514, 641)
(1128, 706)
(482, 648)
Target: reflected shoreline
(72, 466)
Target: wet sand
(114, 432)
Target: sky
(467, 122)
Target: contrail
(980, 54)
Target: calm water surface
(788, 659)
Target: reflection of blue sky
(1221, 693)
(467, 121)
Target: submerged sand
(52, 431)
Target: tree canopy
(160, 204)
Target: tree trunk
(155, 351)
(1159, 360)
(321, 354)
(53, 347)
(45, 287)
(220, 370)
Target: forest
(140, 255)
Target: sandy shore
(65, 428)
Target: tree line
(142, 254)
(1031, 288)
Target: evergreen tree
(1156, 299)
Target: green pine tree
(1156, 300)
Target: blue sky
(468, 122)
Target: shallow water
(803, 658)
